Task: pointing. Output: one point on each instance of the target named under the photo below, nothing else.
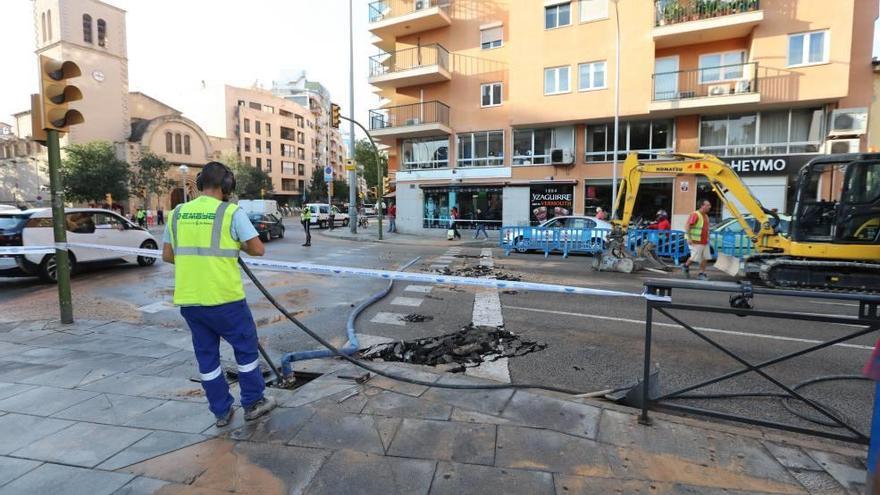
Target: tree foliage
(150, 176)
(250, 182)
(317, 190)
(366, 158)
(90, 171)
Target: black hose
(392, 376)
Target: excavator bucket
(728, 264)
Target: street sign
(328, 173)
(349, 165)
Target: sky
(174, 45)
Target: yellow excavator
(834, 237)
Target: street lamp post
(183, 171)
(616, 110)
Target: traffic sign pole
(62, 263)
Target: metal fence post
(643, 417)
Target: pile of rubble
(479, 271)
(466, 348)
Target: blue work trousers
(235, 324)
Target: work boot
(703, 276)
(686, 270)
(224, 420)
(260, 408)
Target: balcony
(430, 118)
(726, 85)
(390, 19)
(688, 22)
(410, 67)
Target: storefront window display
(548, 201)
(439, 202)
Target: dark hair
(216, 175)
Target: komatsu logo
(758, 165)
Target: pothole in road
(464, 349)
(479, 271)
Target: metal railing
(409, 58)
(386, 9)
(723, 80)
(429, 112)
(677, 11)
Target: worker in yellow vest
(697, 231)
(203, 239)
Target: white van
(259, 206)
(321, 215)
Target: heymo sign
(767, 164)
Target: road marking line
(423, 289)
(702, 329)
(486, 258)
(411, 302)
(389, 319)
(487, 306)
(849, 305)
(497, 370)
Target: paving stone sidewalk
(109, 408)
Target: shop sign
(684, 186)
(767, 164)
(548, 201)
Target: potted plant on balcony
(672, 12)
(707, 8)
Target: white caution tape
(344, 271)
(18, 250)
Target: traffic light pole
(379, 189)
(61, 260)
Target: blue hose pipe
(353, 345)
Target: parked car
(84, 225)
(268, 226)
(568, 226)
(8, 209)
(727, 236)
(321, 215)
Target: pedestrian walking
(209, 291)
(332, 217)
(698, 239)
(150, 218)
(141, 216)
(160, 216)
(453, 217)
(392, 218)
(481, 225)
(600, 214)
(305, 217)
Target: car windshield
(12, 222)
(325, 209)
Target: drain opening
(300, 378)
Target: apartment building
(508, 106)
(275, 135)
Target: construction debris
(466, 348)
(479, 271)
(416, 318)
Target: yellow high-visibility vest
(206, 269)
(695, 234)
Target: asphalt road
(594, 342)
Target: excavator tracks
(837, 276)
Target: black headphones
(227, 183)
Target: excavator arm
(724, 181)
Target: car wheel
(322, 225)
(49, 268)
(265, 237)
(281, 233)
(146, 260)
(345, 223)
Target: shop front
(655, 193)
(547, 201)
(475, 204)
(771, 179)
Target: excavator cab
(838, 200)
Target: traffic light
(56, 93)
(387, 185)
(334, 115)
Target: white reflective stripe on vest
(244, 368)
(207, 377)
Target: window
(808, 48)
(178, 143)
(259, 163)
(287, 150)
(716, 67)
(767, 133)
(186, 145)
(491, 37)
(301, 169)
(301, 153)
(490, 94)
(556, 80)
(287, 168)
(49, 24)
(300, 137)
(532, 146)
(258, 127)
(87, 28)
(591, 76)
(481, 149)
(247, 160)
(254, 105)
(300, 122)
(102, 32)
(247, 145)
(169, 146)
(288, 134)
(425, 153)
(268, 164)
(247, 125)
(268, 147)
(268, 130)
(285, 113)
(288, 185)
(593, 10)
(259, 146)
(557, 15)
(648, 138)
(301, 185)
(268, 109)
(43, 20)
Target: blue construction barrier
(566, 241)
(668, 243)
(874, 449)
(735, 244)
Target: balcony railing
(676, 11)
(381, 10)
(725, 80)
(409, 58)
(429, 112)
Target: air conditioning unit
(414, 121)
(849, 121)
(837, 146)
(719, 89)
(422, 4)
(561, 156)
